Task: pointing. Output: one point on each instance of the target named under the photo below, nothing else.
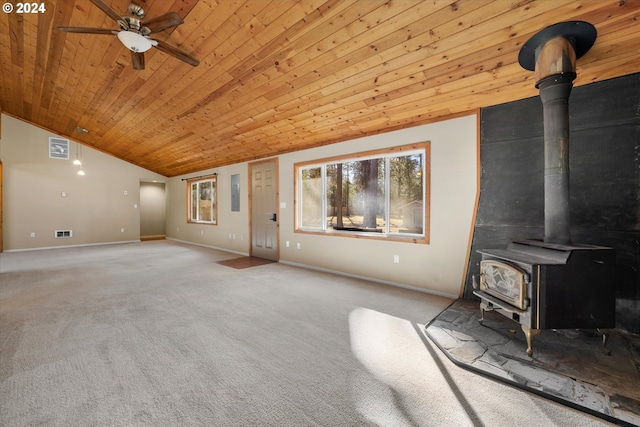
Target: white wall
(232, 230)
(94, 206)
(437, 267)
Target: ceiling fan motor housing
(136, 10)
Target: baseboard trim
(72, 246)
(186, 242)
(370, 279)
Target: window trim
(379, 153)
(198, 180)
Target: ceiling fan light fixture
(77, 161)
(134, 41)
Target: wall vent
(58, 148)
(62, 234)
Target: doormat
(245, 262)
(568, 366)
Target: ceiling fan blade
(87, 30)
(162, 22)
(137, 60)
(107, 9)
(175, 52)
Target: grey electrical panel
(235, 193)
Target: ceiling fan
(135, 32)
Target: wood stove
(543, 286)
(554, 283)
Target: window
(381, 194)
(202, 200)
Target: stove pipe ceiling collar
(552, 54)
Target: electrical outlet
(122, 230)
(33, 234)
(286, 243)
(298, 245)
(396, 259)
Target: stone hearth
(568, 366)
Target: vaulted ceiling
(276, 76)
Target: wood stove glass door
(504, 281)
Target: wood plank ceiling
(281, 75)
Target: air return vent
(58, 148)
(63, 234)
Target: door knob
(274, 218)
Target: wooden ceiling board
(277, 76)
(314, 89)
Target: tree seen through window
(380, 194)
(203, 201)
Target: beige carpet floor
(159, 334)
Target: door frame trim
(249, 194)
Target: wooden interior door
(264, 209)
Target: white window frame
(214, 198)
(386, 155)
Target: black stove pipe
(554, 93)
(552, 54)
